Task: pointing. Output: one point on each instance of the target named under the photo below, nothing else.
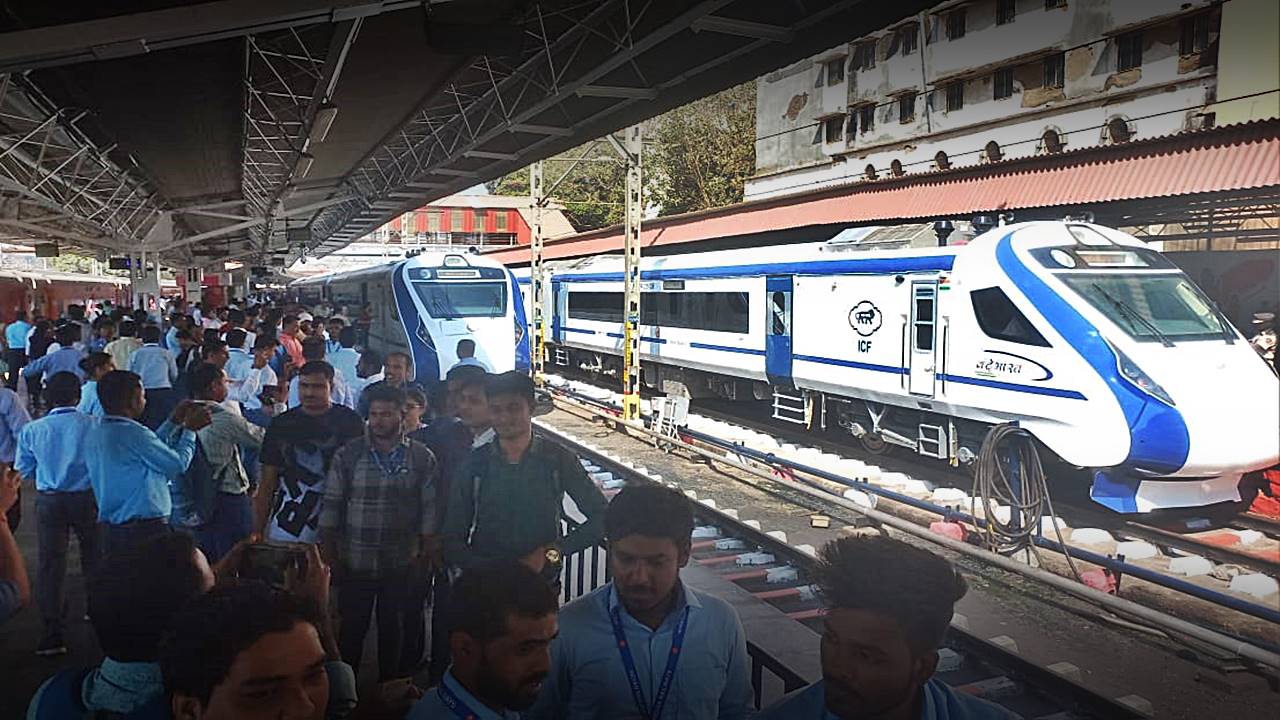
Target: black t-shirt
(301, 446)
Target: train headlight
(1135, 375)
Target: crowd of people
(224, 473)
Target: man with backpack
(226, 517)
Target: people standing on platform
(177, 322)
(466, 350)
(470, 401)
(296, 456)
(104, 333)
(379, 533)
(646, 645)
(215, 352)
(15, 585)
(313, 349)
(239, 361)
(889, 605)
(65, 359)
(15, 337)
(368, 370)
(122, 348)
(507, 500)
(51, 454)
(290, 345)
(503, 619)
(247, 385)
(13, 417)
(397, 372)
(130, 466)
(344, 358)
(333, 331)
(226, 441)
(94, 365)
(158, 371)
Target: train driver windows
(1000, 319)
(779, 313)
(924, 298)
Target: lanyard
(633, 676)
(395, 459)
(455, 703)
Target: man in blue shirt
(95, 365)
(158, 370)
(51, 452)
(64, 359)
(15, 337)
(344, 357)
(888, 608)
(503, 618)
(646, 646)
(130, 466)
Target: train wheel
(874, 443)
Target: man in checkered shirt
(378, 530)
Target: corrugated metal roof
(1230, 158)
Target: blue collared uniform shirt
(588, 680)
(15, 334)
(13, 417)
(170, 339)
(432, 705)
(89, 402)
(65, 359)
(344, 362)
(940, 702)
(130, 467)
(51, 450)
(155, 365)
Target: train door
(923, 341)
(777, 342)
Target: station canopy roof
(244, 129)
(1192, 175)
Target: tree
(703, 152)
(697, 156)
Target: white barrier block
(949, 660)
(752, 524)
(1047, 524)
(755, 558)
(807, 549)
(658, 478)
(960, 621)
(807, 593)
(730, 544)
(691, 494)
(893, 479)
(859, 498)
(1190, 565)
(708, 502)
(614, 484)
(705, 532)
(947, 494)
(1067, 670)
(1091, 536)
(600, 477)
(1005, 642)
(785, 574)
(1136, 550)
(917, 487)
(777, 535)
(1139, 704)
(1255, 584)
(731, 513)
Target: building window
(1195, 34)
(1118, 130)
(1055, 70)
(1002, 83)
(866, 118)
(455, 220)
(1129, 51)
(869, 172)
(864, 55)
(835, 71)
(500, 219)
(817, 134)
(479, 220)
(433, 221)
(834, 128)
(1006, 10)
(817, 82)
(1051, 141)
(1053, 4)
(956, 24)
(992, 152)
(851, 125)
(955, 95)
(941, 161)
(895, 168)
(907, 108)
(908, 38)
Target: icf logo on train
(865, 318)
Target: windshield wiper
(1224, 325)
(1133, 315)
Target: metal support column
(632, 145)
(537, 280)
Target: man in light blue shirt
(503, 620)
(13, 417)
(158, 370)
(888, 608)
(15, 337)
(51, 452)
(130, 466)
(646, 646)
(339, 391)
(64, 359)
(344, 358)
(95, 365)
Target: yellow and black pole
(537, 280)
(631, 146)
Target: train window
(599, 306)
(778, 313)
(713, 311)
(1150, 307)
(463, 299)
(923, 323)
(1000, 319)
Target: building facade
(472, 220)
(986, 80)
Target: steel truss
(57, 184)
(459, 138)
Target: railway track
(1217, 591)
(775, 573)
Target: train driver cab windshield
(453, 300)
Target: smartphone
(277, 565)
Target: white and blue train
(1084, 336)
(425, 304)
